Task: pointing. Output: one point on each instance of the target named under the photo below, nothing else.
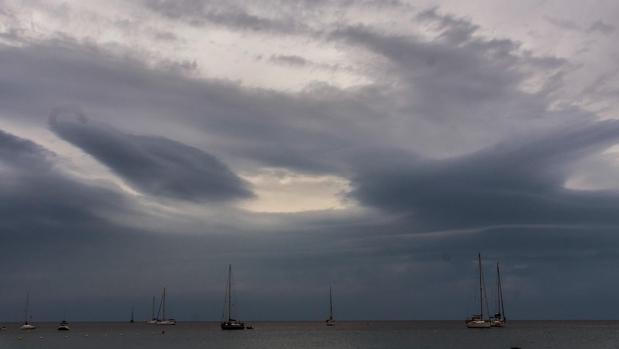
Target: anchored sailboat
(499, 319)
(229, 323)
(330, 321)
(27, 317)
(63, 326)
(478, 320)
(163, 320)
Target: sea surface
(301, 335)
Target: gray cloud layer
(155, 165)
(510, 184)
(447, 149)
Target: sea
(301, 335)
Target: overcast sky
(377, 146)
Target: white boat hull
(232, 325)
(27, 327)
(166, 322)
(478, 324)
(498, 323)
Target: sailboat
(63, 326)
(132, 318)
(229, 323)
(477, 320)
(163, 320)
(153, 319)
(330, 321)
(27, 325)
(499, 319)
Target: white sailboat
(228, 322)
(499, 319)
(330, 320)
(478, 320)
(27, 317)
(163, 320)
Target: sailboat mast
(229, 291)
(330, 303)
(152, 310)
(163, 310)
(27, 306)
(500, 290)
(481, 297)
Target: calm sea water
(301, 335)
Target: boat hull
(498, 323)
(478, 324)
(232, 326)
(63, 328)
(27, 327)
(166, 323)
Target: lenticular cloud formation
(154, 165)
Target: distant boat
(63, 326)
(330, 321)
(163, 320)
(132, 318)
(499, 319)
(228, 322)
(478, 320)
(27, 317)
(153, 319)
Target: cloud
(44, 204)
(154, 165)
(292, 60)
(601, 27)
(508, 184)
(453, 144)
(562, 23)
(230, 15)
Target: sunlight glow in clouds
(287, 191)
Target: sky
(375, 146)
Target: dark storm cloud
(34, 189)
(517, 183)
(155, 165)
(49, 215)
(453, 97)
